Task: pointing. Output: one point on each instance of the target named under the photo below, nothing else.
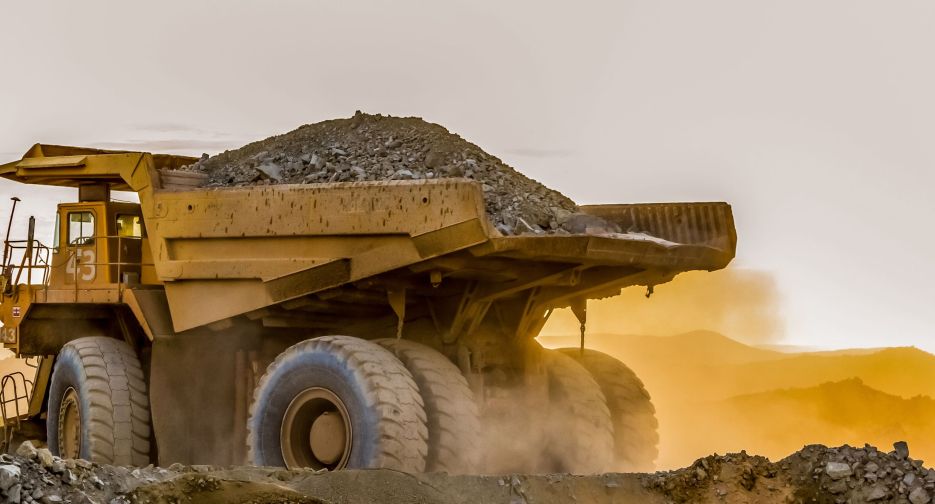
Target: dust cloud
(701, 347)
(716, 395)
(740, 302)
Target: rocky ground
(816, 474)
(369, 147)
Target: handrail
(119, 263)
(28, 387)
(35, 256)
(40, 259)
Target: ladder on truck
(15, 390)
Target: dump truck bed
(282, 242)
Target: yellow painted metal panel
(53, 162)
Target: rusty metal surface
(709, 224)
(247, 248)
(691, 236)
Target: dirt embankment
(814, 474)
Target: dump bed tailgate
(672, 236)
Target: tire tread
(112, 377)
(582, 437)
(389, 388)
(451, 411)
(636, 436)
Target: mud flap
(195, 381)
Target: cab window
(80, 228)
(57, 235)
(129, 226)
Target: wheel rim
(69, 425)
(316, 431)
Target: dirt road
(814, 474)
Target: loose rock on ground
(814, 474)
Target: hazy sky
(813, 118)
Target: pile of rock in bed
(369, 147)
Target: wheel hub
(69, 425)
(328, 437)
(316, 431)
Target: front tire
(337, 402)
(98, 404)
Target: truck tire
(98, 404)
(579, 431)
(450, 410)
(636, 436)
(337, 402)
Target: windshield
(81, 228)
(129, 225)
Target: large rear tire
(337, 402)
(450, 409)
(98, 404)
(579, 432)
(636, 436)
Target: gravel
(36, 476)
(814, 474)
(369, 147)
(874, 475)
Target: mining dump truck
(342, 325)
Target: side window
(129, 225)
(57, 235)
(81, 228)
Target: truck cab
(97, 242)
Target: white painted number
(88, 268)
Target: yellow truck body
(233, 275)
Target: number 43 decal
(86, 270)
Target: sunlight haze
(814, 119)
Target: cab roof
(67, 166)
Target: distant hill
(772, 402)
(731, 368)
(777, 422)
(904, 372)
(693, 347)
(792, 349)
